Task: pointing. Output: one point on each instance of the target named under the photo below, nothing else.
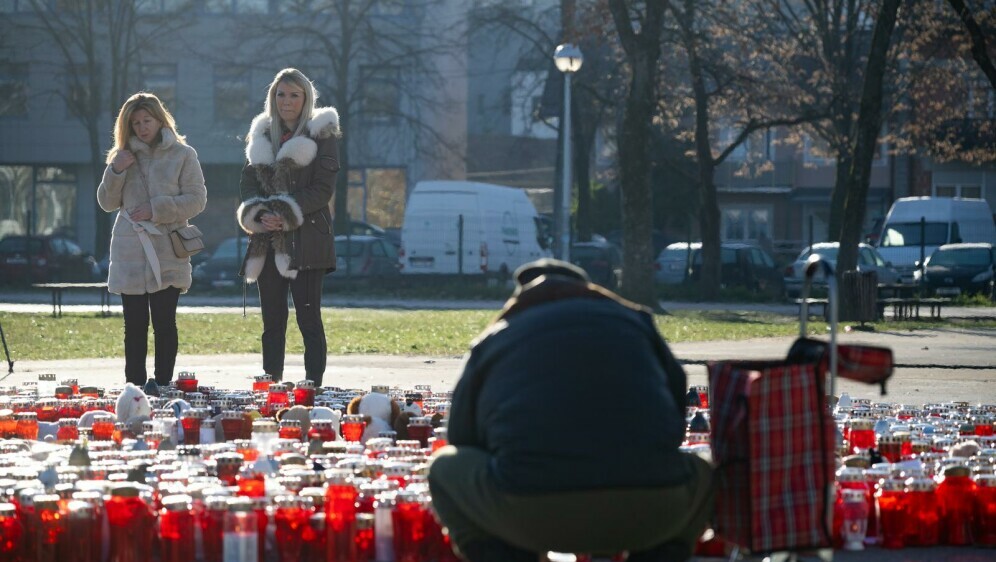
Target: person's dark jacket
(572, 389)
(298, 185)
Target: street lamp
(568, 58)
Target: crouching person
(565, 430)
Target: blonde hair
(297, 78)
(122, 126)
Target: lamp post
(568, 58)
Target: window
(958, 190)
(13, 89)
(231, 94)
(908, 234)
(160, 79)
(377, 195)
(381, 91)
(526, 93)
(746, 223)
(15, 205)
(981, 99)
(236, 6)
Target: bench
(811, 302)
(58, 288)
(909, 308)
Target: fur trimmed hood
(301, 150)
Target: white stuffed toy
(132, 408)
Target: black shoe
(495, 550)
(151, 388)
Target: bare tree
(99, 45)
(980, 52)
(639, 26)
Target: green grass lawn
(364, 331)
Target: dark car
(221, 268)
(365, 257)
(743, 265)
(601, 259)
(45, 259)
(363, 228)
(956, 269)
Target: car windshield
(828, 253)
(674, 254)
(965, 257)
(908, 234)
(231, 248)
(20, 246)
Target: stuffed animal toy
(381, 413)
(306, 415)
(132, 408)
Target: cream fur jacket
(177, 194)
(297, 184)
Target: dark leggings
(306, 290)
(137, 308)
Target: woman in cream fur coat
(154, 181)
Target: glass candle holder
(364, 537)
(50, 529)
(131, 521)
(861, 435)
(340, 517)
(190, 421)
(176, 527)
(352, 427)
(985, 510)
(291, 518)
(233, 425)
(956, 500)
(408, 521)
(68, 431)
(420, 429)
(211, 521)
(73, 384)
(261, 383)
(27, 425)
(290, 429)
(276, 398)
(11, 531)
(441, 441)
(304, 393)
(240, 537)
(322, 430)
(923, 515)
(855, 522)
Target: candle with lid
(176, 527)
(261, 383)
(408, 522)
(892, 510)
(131, 521)
(186, 381)
(923, 524)
(304, 393)
(420, 428)
(985, 510)
(855, 523)
(290, 517)
(352, 427)
(276, 398)
(190, 421)
(240, 538)
(340, 516)
(290, 429)
(956, 498)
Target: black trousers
(306, 290)
(137, 309)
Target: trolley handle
(814, 264)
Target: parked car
(601, 259)
(365, 257)
(743, 265)
(956, 269)
(671, 266)
(221, 268)
(45, 259)
(868, 260)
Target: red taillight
(484, 257)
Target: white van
(946, 221)
(500, 230)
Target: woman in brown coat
(287, 185)
(154, 181)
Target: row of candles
(919, 494)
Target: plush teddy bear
(381, 413)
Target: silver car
(671, 266)
(868, 260)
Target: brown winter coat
(177, 194)
(297, 185)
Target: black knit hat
(528, 272)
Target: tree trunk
(642, 52)
(837, 196)
(584, 136)
(869, 125)
(340, 201)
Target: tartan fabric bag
(863, 363)
(772, 442)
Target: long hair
(297, 78)
(122, 126)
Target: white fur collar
(301, 150)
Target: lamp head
(568, 58)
